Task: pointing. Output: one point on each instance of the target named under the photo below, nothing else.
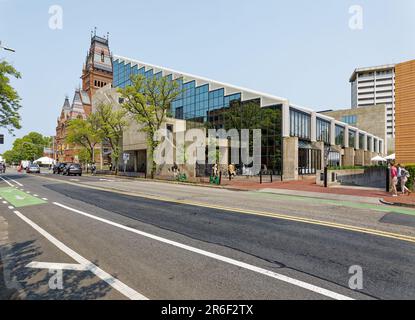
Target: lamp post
(6, 48)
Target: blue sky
(299, 49)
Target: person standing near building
(404, 179)
(394, 175)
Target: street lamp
(6, 48)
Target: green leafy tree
(148, 100)
(112, 123)
(30, 147)
(85, 133)
(9, 98)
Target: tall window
(361, 141)
(300, 124)
(340, 135)
(369, 143)
(352, 138)
(323, 131)
(102, 56)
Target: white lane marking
(7, 182)
(113, 282)
(11, 208)
(234, 262)
(44, 199)
(28, 192)
(57, 266)
(35, 195)
(16, 182)
(4, 202)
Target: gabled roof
(77, 105)
(66, 104)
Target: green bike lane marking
(344, 203)
(18, 198)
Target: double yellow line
(380, 233)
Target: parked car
(33, 168)
(72, 169)
(58, 168)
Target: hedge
(411, 180)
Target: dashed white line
(234, 262)
(11, 208)
(4, 202)
(113, 282)
(44, 199)
(35, 195)
(16, 182)
(7, 182)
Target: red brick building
(96, 73)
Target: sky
(302, 50)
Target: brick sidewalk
(404, 201)
(309, 186)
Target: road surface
(165, 241)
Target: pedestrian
(394, 175)
(404, 179)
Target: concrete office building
(373, 86)
(370, 119)
(295, 140)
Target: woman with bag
(404, 179)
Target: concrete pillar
(313, 127)
(333, 133)
(368, 158)
(365, 146)
(290, 158)
(320, 146)
(359, 159)
(356, 140)
(346, 136)
(286, 120)
(348, 157)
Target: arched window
(102, 56)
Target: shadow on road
(19, 282)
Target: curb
(397, 204)
(172, 182)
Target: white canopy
(391, 157)
(45, 160)
(378, 159)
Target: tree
(148, 100)
(30, 147)
(112, 123)
(84, 133)
(9, 98)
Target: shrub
(411, 180)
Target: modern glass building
(295, 140)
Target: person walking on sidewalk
(394, 175)
(404, 179)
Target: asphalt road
(137, 247)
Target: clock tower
(97, 70)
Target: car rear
(75, 169)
